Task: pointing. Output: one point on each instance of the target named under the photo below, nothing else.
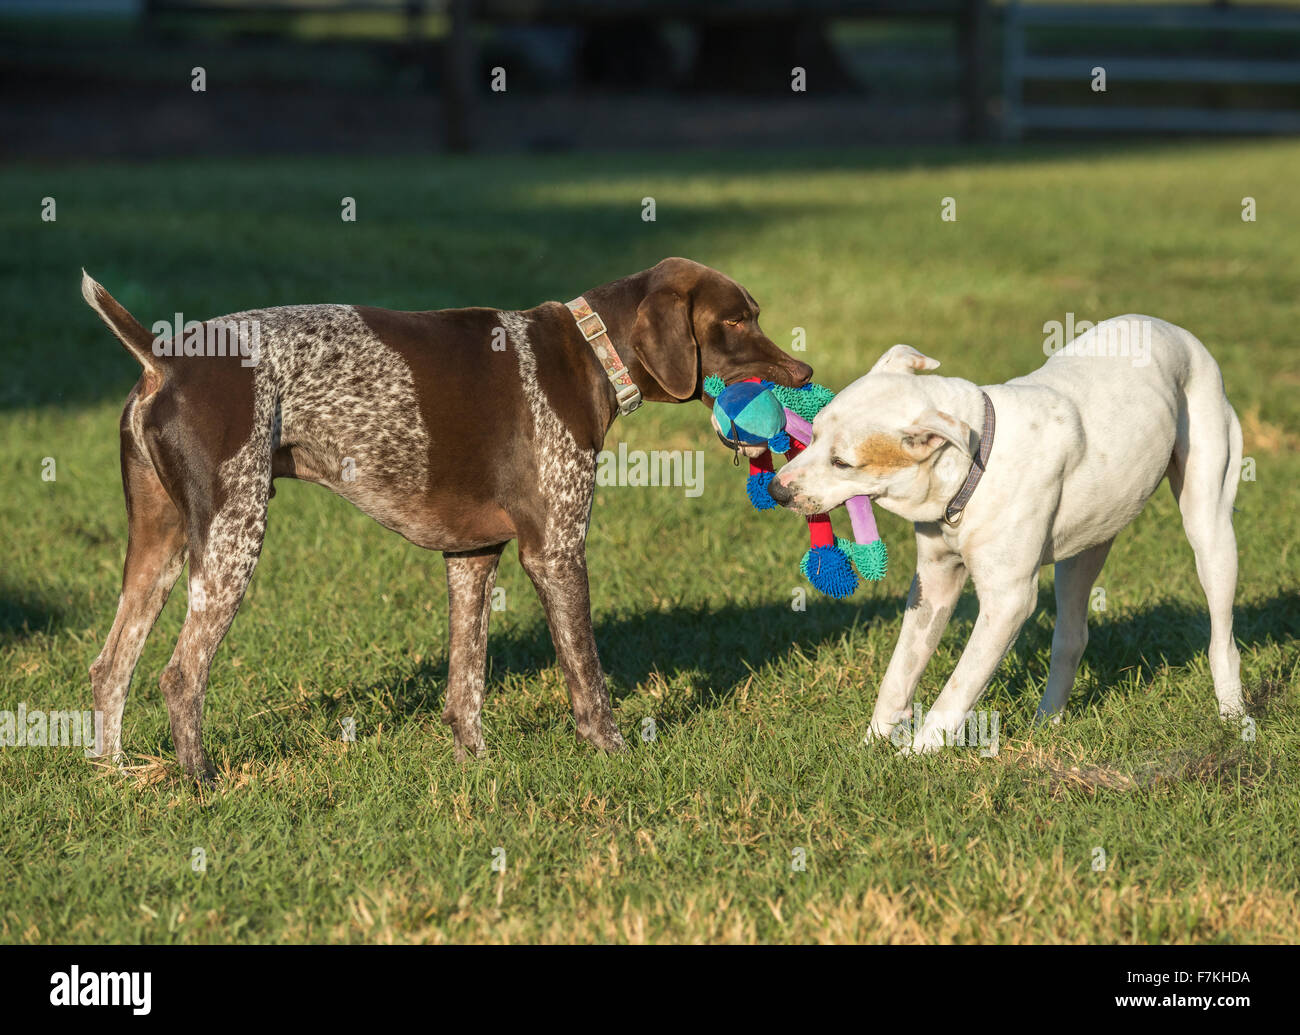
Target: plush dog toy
(760, 418)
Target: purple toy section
(861, 516)
(797, 427)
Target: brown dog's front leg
(561, 584)
(470, 577)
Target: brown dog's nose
(779, 492)
(801, 372)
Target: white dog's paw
(877, 733)
(929, 739)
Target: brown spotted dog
(460, 429)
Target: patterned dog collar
(592, 328)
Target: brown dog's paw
(469, 752)
(607, 739)
(205, 775)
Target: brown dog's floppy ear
(931, 430)
(665, 342)
(903, 359)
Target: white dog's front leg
(1004, 607)
(940, 576)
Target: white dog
(1046, 468)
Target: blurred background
(946, 173)
(113, 78)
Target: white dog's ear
(903, 359)
(931, 430)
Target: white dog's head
(885, 436)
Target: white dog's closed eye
(931, 430)
(903, 359)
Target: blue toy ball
(829, 570)
(748, 414)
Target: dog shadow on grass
(716, 649)
(26, 612)
(1168, 634)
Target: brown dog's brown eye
(736, 322)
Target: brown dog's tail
(130, 331)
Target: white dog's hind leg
(1203, 474)
(940, 576)
(1074, 579)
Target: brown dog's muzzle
(769, 363)
(792, 374)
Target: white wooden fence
(1021, 66)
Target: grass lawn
(759, 709)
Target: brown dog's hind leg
(470, 578)
(155, 554)
(561, 584)
(224, 547)
(216, 587)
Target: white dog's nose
(778, 491)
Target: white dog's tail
(1209, 444)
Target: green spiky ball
(807, 402)
(871, 559)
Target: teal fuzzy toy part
(806, 401)
(871, 559)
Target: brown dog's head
(693, 321)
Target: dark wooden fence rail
(1020, 66)
(969, 17)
